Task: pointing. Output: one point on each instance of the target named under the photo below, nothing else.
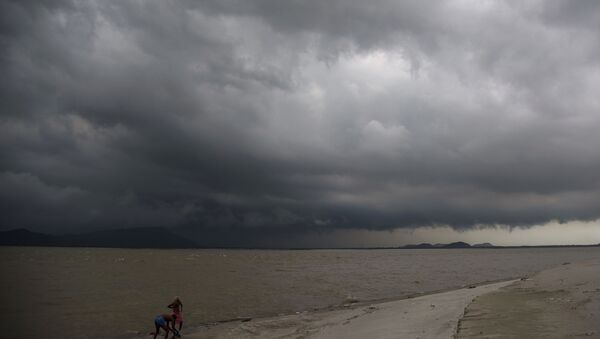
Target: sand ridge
(429, 316)
(563, 302)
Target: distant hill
(485, 244)
(461, 244)
(24, 237)
(458, 244)
(421, 245)
(148, 237)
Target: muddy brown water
(107, 293)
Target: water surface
(103, 293)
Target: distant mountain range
(461, 244)
(147, 237)
(458, 244)
(157, 237)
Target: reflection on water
(91, 293)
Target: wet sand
(563, 302)
(429, 316)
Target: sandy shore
(429, 316)
(563, 302)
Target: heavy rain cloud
(250, 118)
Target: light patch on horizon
(553, 233)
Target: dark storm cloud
(274, 117)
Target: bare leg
(166, 330)
(156, 330)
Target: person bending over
(167, 323)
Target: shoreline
(431, 315)
(358, 303)
(559, 302)
(216, 329)
(220, 285)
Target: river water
(107, 293)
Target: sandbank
(429, 316)
(563, 302)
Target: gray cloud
(267, 117)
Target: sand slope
(430, 316)
(563, 302)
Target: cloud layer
(278, 117)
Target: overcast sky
(255, 119)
